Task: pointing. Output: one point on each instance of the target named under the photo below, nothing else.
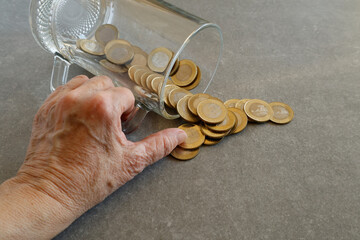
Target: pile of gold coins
(209, 119)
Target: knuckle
(101, 104)
(69, 99)
(106, 81)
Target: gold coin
(231, 103)
(113, 67)
(176, 94)
(92, 47)
(133, 69)
(184, 112)
(258, 110)
(241, 122)
(144, 77)
(119, 51)
(168, 89)
(140, 57)
(196, 82)
(159, 59)
(155, 83)
(195, 138)
(184, 154)
(106, 33)
(186, 73)
(240, 104)
(137, 75)
(211, 111)
(78, 43)
(175, 67)
(150, 78)
(226, 125)
(215, 135)
(195, 100)
(283, 113)
(212, 142)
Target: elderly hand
(77, 156)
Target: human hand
(78, 154)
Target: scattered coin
(92, 47)
(184, 112)
(184, 154)
(159, 59)
(212, 142)
(226, 125)
(215, 135)
(231, 103)
(196, 82)
(186, 73)
(240, 104)
(212, 111)
(241, 122)
(258, 110)
(195, 138)
(119, 51)
(283, 113)
(113, 67)
(176, 94)
(106, 33)
(195, 100)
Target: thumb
(160, 144)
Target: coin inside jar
(195, 138)
(195, 100)
(231, 103)
(258, 110)
(140, 57)
(113, 67)
(184, 154)
(137, 75)
(168, 89)
(144, 77)
(186, 73)
(196, 82)
(184, 112)
(227, 124)
(212, 111)
(176, 94)
(175, 67)
(240, 104)
(159, 59)
(241, 122)
(92, 47)
(283, 113)
(119, 51)
(156, 82)
(133, 69)
(106, 33)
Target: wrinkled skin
(78, 154)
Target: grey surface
(299, 181)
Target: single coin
(215, 135)
(184, 154)
(226, 125)
(155, 83)
(133, 69)
(195, 100)
(195, 138)
(241, 122)
(78, 43)
(140, 57)
(196, 82)
(113, 67)
(240, 104)
(119, 51)
(212, 142)
(137, 75)
(212, 111)
(106, 33)
(231, 103)
(168, 89)
(283, 113)
(159, 59)
(144, 77)
(258, 110)
(92, 47)
(186, 73)
(184, 112)
(175, 67)
(176, 94)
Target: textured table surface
(299, 181)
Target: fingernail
(181, 136)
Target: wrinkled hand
(78, 154)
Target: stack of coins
(146, 70)
(210, 120)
